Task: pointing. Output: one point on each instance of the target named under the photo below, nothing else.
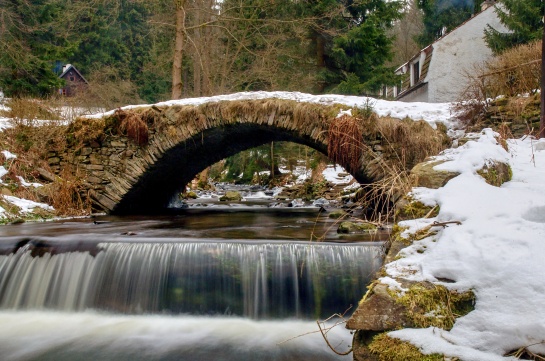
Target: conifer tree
(524, 18)
(442, 16)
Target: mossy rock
(338, 213)
(431, 305)
(423, 175)
(496, 173)
(388, 348)
(379, 311)
(191, 195)
(408, 208)
(231, 196)
(352, 227)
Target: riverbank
(487, 241)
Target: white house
(438, 73)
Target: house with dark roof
(74, 82)
(438, 73)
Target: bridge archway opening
(181, 164)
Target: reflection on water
(226, 223)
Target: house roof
(70, 66)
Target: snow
(25, 205)
(3, 172)
(430, 112)
(337, 175)
(8, 155)
(497, 252)
(24, 183)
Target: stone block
(379, 312)
(424, 175)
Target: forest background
(134, 51)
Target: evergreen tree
(442, 16)
(524, 18)
(29, 45)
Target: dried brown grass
(133, 126)
(345, 142)
(511, 74)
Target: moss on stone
(496, 173)
(433, 305)
(336, 214)
(412, 209)
(352, 227)
(387, 348)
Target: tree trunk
(178, 50)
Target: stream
(237, 281)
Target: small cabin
(74, 82)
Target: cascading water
(267, 280)
(100, 296)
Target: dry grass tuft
(66, 194)
(514, 73)
(133, 126)
(23, 111)
(345, 142)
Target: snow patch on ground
(497, 252)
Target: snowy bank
(497, 252)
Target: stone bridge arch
(134, 160)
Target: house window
(416, 72)
(72, 78)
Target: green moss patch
(387, 348)
(496, 173)
(352, 227)
(434, 305)
(412, 209)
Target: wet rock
(352, 227)
(320, 202)
(336, 214)
(231, 196)
(296, 203)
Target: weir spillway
(304, 280)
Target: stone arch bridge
(134, 160)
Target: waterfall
(256, 280)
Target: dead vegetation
(504, 91)
(35, 131)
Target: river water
(236, 282)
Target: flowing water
(227, 284)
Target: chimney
(487, 3)
(69, 65)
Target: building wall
(455, 55)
